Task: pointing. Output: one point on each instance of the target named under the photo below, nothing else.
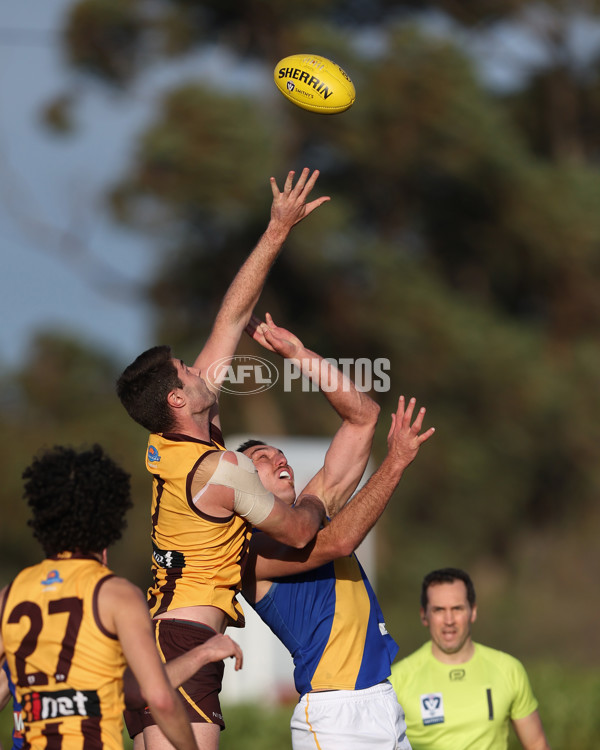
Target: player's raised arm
(350, 526)
(288, 208)
(350, 448)
(230, 483)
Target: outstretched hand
(273, 337)
(404, 439)
(290, 206)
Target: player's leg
(199, 694)
(138, 741)
(207, 737)
(134, 723)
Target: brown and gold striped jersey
(197, 559)
(67, 669)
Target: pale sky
(49, 185)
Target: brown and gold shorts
(200, 694)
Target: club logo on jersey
(52, 578)
(53, 705)
(153, 455)
(457, 675)
(432, 708)
(168, 558)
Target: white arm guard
(251, 500)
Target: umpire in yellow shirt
(458, 694)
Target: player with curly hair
(68, 626)
(78, 500)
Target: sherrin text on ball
(314, 83)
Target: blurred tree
(64, 394)
(446, 240)
(461, 242)
(443, 190)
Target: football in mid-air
(315, 83)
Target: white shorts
(370, 719)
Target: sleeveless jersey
(67, 670)
(464, 705)
(331, 623)
(197, 559)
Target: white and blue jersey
(331, 623)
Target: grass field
(569, 701)
(569, 705)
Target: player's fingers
(418, 423)
(239, 657)
(392, 426)
(407, 416)
(310, 207)
(400, 407)
(399, 415)
(254, 332)
(310, 181)
(253, 323)
(270, 336)
(274, 188)
(289, 181)
(299, 187)
(426, 435)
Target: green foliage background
(462, 242)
